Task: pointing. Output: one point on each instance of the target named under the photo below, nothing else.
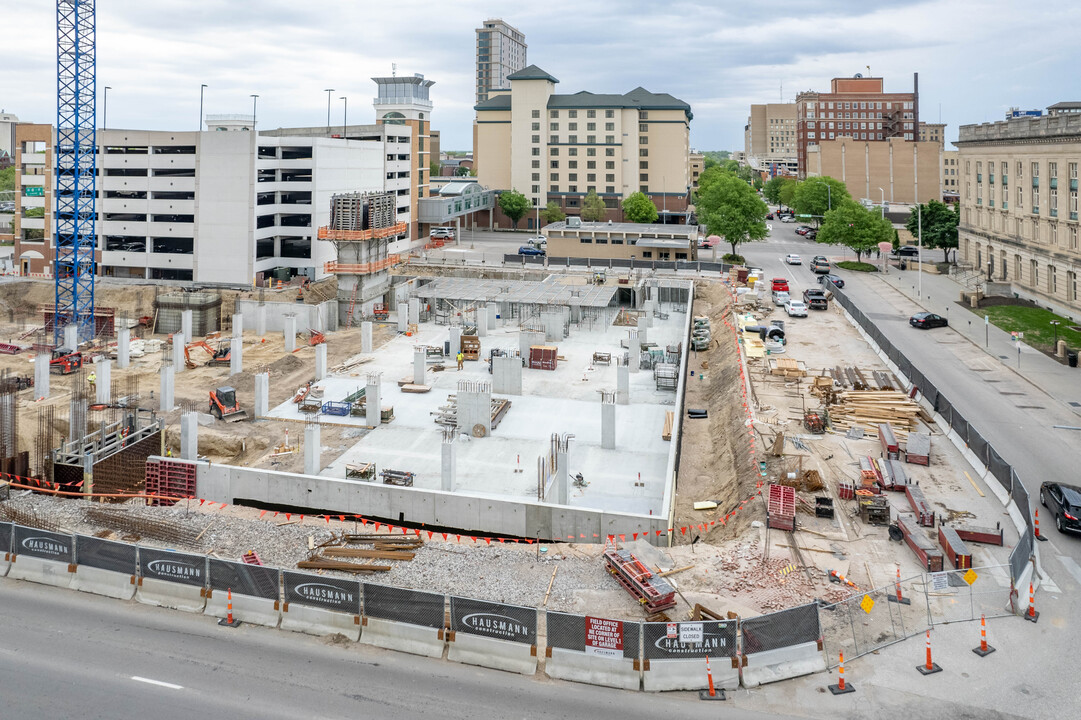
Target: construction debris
(120, 520)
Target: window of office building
(610, 177)
(554, 127)
(591, 152)
(536, 113)
(573, 152)
(643, 177)
(591, 126)
(643, 152)
(553, 139)
(609, 113)
(554, 113)
(536, 126)
(591, 164)
(609, 152)
(609, 127)
(591, 113)
(536, 164)
(536, 151)
(554, 177)
(572, 139)
(591, 139)
(609, 165)
(536, 138)
(554, 164)
(572, 164)
(572, 126)
(572, 113)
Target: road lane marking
(1072, 567)
(157, 682)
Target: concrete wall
(308, 316)
(906, 171)
(508, 517)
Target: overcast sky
(975, 59)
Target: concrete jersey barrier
(675, 655)
(592, 650)
(493, 635)
(171, 579)
(105, 567)
(782, 663)
(5, 545)
(781, 645)
(405, 620)
(42, 557)
(319, 605)
(256, 592)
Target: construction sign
(604, 638)
(867, 604)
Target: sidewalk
(940, 294)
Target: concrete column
(482, 321)
(643, 323)
(260, 320)
(563, 479)
(262, 395)
(238, 325)
(576, 310)
(414, 311)
(419, 366)
(123, 347)
(312, 449)
(449, 462)
(236, 354)
(474, 400)
(623, 385)
(492, 312)
(167, 376)
(104, 383)
(455, 341)
(71, 336)
(634, 350)
(371, 399)
(179, 340)
(403, 318)
(185, 323)
(290, 332)
(320, 361)
(189, 436)
(77, 419)
(608, 425)
(41, 375)
(366, 336)
(507, 375)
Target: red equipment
(654, 593)
(65, 362)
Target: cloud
(974, 58)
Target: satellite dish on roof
(859, 75)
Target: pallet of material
(365, 471)
(310, 405)
(602, 358)
(787, 367)
(669, 420)
(869, 408)
(918, 448)
(987, 536)
(930, 557)
(414, 388)
(653, 593)
(347, 552)
(956, 550)
(781, 508)
(324, 563)
(471, 347)
(543, 357)
(922, 509)
(500, 406)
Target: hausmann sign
(42, 544)
(512, 623)
(172, 567)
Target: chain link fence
(952, 598)
(870, 621)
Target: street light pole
(345, 115)
(919, 249)
(328, 91)
(105, 109)
(882, 202)
(202, 88)
(254, 100)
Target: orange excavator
(221, 356)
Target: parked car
(781, 298)
(1064, 502)
(908, 251)
(528, 250)
(795, 308)
(926, 320)
(793, 259)
(779, 283)
(787, 219)
(815, 298)
(832, 280)
(820, 266)
(769, 216)
(802, 229)
(811, 234)
(442, 232)
(538, 241)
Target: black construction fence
(980, 447)
(512, 623)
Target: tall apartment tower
(501, 51)
(405, 101)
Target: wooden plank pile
(869, 408)
(669, 420)
(853, 377)
(336, 553)
(787, 367)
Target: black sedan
(832, 280)
(926, 320)
(1064, 502)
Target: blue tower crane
(76, 166)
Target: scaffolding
(205, 312)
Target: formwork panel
(125, 471)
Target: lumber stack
(868, 408)
(669, 420)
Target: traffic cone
(984, 649)
(841, 688)
(229, 620)
(1032, 615)
(898, 598)
(929, 667)
(712, 693)
(1039, 537)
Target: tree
(434, 170)
(730, 165)
(708, 177)
(815, 196)
(461, 171)
(787, 192)
(7, 178)
(772, 188)
(639, 209)
(708, 162)
(593, 208)
(731, 209)
(514, 205)
(939, 226)
(553, 213)
(854, 226)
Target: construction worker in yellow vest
(92, 378)
(461, 359)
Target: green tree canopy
(553, 213)
(730, 208)
(710, 176)
(787, 192)
(730, 165)
(593, 208)
(639, 209)
(854, 226)
(815, 196)
(772, 188)
(939, 226)
(708, 162)
(514, 205)
(7, 178)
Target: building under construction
(361, 228)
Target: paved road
(65, 654)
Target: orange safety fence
(326, 233)
(337, 268)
